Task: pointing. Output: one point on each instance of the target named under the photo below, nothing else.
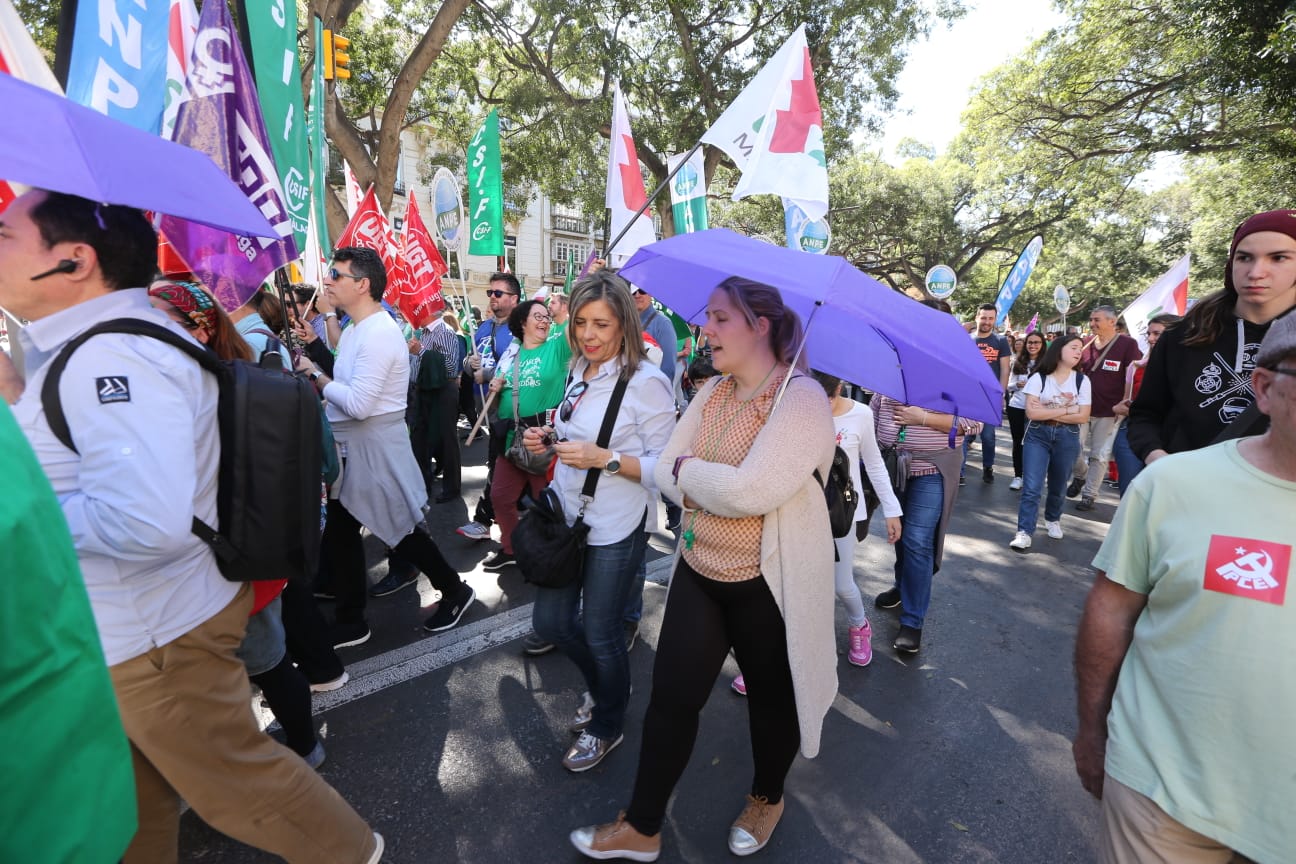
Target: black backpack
(268, 485)
(840, 493)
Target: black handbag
(549, 552)
(517, 453)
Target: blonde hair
(756, 300)
(613, 290)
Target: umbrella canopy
(53, 143)
(861, 331)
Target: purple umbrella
(51, 142)
(858, 329)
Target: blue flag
(118, 60)
(1017, 277)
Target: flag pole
(660, 186)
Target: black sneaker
(395, 580)
(344, 634)
(448, 613)
(908, 640)
(1086, 503)
(987, 475)
(534, 646)
(498, 560)
(888, 599)
(1074, 487)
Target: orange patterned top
(727, 550)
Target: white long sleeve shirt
(371, 372)
(143, 416)
(858, 441)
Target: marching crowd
(595, 412)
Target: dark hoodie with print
(1191, 393)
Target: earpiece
(67, 265)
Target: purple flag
(222, 118)
(1034, 322)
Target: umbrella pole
(660, 186)
(805, 335)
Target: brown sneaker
(754, 825)
(616, 839)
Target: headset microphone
(67, 265)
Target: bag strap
(604, 436)
(50, 400)
(1103, 356)
(516, 363)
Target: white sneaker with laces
(1016, 484)
(473, 531)
(1021, 542)
(1054, 530)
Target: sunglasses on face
(336, 274)
(498, 294)
(572, 399)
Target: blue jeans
(1047, 451)
(923, 500)
(987, 439)
(594, 639)
(1128, 465)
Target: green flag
(486, 190)
(272, 32)
(688, 193)
(571, 274)
(318, 149)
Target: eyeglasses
(498, 294)
(572, 399)
(542, 318)
(335, 274)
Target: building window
(567, 250)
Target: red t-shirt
(1107, 379)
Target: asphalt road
(450, 745)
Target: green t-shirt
(1205, 707)
(541, 376)
(69, 788)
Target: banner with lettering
(318, 147)
(272, 32)
(180, 40)
(118, 61)
(369, 229)
(688, 193)
(221, 118)
(422, 301)
(486, 190)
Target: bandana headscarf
(191, 300)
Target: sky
(942, 69)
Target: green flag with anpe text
(272, 34)
(486, 190)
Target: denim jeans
(987, 438)
(594, 639)
(1047, 451)
(923, 500)
(1128, 465)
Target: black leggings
(288, 694)
(703, 620)
(1017, 423)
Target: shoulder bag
(549, 552)
(517, 453)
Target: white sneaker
(379, 846)
(328, 686)
(1021, 542)
(1016, 484)
(1054, 530)
(474, 531)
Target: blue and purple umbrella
(858, 329)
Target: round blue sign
(941, 281)
(447, 207)
(686, 181)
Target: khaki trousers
(1095, 453)
(187, 711)
(1137, 831)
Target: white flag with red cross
(625, 187)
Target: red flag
(369, 229)
(423, 300)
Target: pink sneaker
(861, 645)
(739, 686)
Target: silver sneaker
(584, 714)
(589, 751)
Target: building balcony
(571, 225)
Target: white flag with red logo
(353, 195)
(20, 58)
(369, 229)
(423, 300)
(625, 187)
(1168, 295)
(774, 131)
(182, 30)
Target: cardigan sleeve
(797, 439)
(681, 443)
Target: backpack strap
(50, 400)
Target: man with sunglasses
(490, 343)
(1187, 648)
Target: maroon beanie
(1282, 221)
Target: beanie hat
(1282, 221)
(1279, 342)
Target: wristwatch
(614, 464)
(314, 374)
(328, 315)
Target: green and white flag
(486, 190)
(272, 32)
(688, 193)
(318, 149)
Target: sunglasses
(498, 294)
(572, 399)
(335, 274)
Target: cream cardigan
(776, 480)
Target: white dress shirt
(371, 372)
(643, 426)
(143, 416)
